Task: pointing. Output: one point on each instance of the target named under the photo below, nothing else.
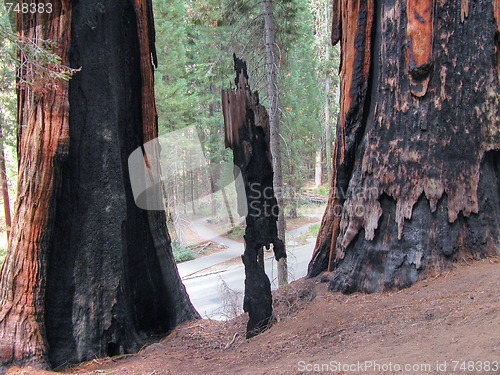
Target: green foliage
(301, 101)
(313, 230)
(181, 254)
(40, 65)
(8, 98)
(195, 42)
(39, 61)
(3, 253)
(238, 231)
(322, 190)
(173, 99)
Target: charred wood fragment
(247, 134)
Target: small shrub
(237, 232)
(181, 254)
(232, 300)
(322, 190)
(313, 230)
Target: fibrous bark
(43, 142)
(416, 159)
(88, 273)
(247, 134)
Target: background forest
(195, 42)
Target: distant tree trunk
(274, 121)
(191, 183)
(213, 201)
(88, 273)
(4, 186)
(293, 193)
(317, 168)
(247, 134)
(184, 185)
(196, 188)
(228, 207)
(417, 157)
(327, 129)
(328, 81)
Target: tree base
(429, 244)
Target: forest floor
(432, 327)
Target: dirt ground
(439, 326)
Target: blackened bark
(247, 134)
(103, 243)
(415, 182)
(105, 273)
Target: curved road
(219, 295)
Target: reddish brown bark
(419, 32)
(88, 274)
(43, 144)
(355, 64)
(417, 149)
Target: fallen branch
(228, 345)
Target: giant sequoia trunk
(88, 274)
(416, 163)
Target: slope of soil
(452, 317)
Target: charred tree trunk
(88, 273)
(416, 162)
(247, 134)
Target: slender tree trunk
(327, 130)
(184, 186)
(274, 121)
(213, 201)
(196, 188)
(293, 193)
(317, 168)
(4, 186)
(417, 154)
(228, 207)
(191, 183)
(88, 273)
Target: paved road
(234, 249)
(219, 295)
